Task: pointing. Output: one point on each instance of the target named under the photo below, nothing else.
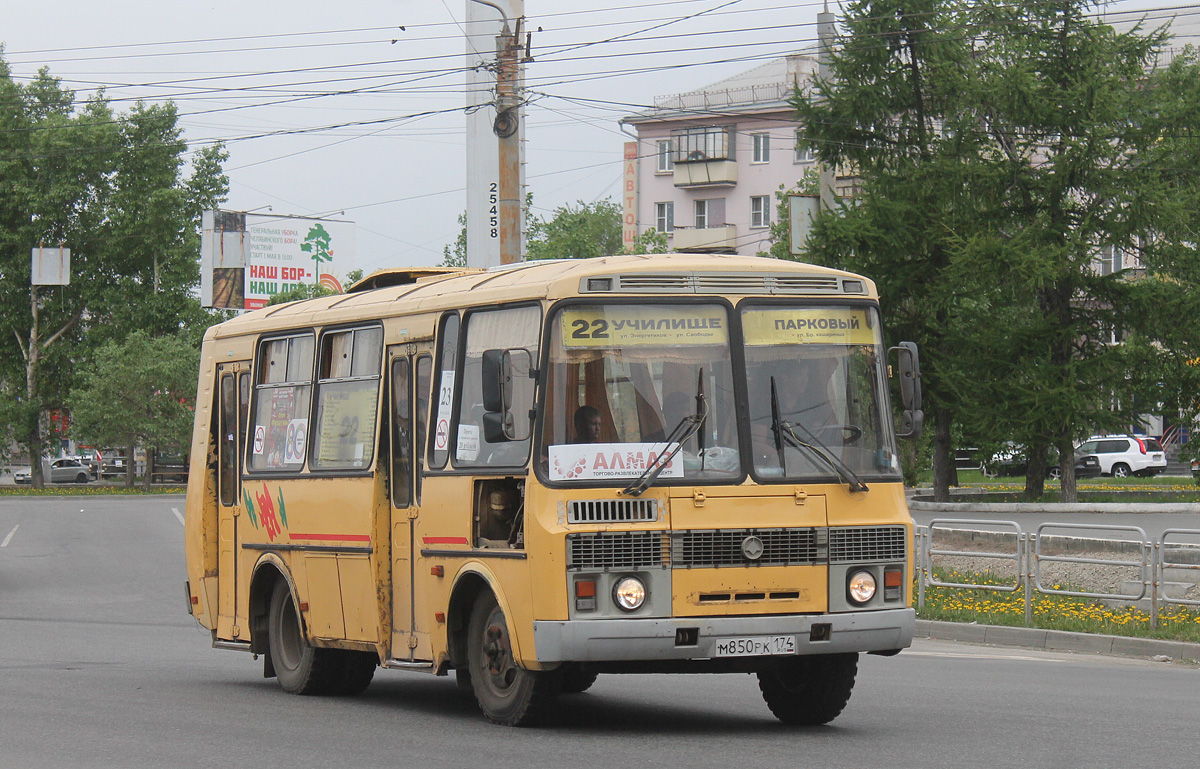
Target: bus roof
(408, 290)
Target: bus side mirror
(909, 364)
(506, 382)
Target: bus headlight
(629, 593)
(860, 588)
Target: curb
(1057, 640)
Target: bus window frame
(432, 466)
(394, 445)
(256, 388)
(836, 300)
(380, 376)
(736, 359)
(464, 329)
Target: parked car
(170, 468)
(967, 459)
(1086, 466)
(1011, 460)
(1125, 455)
(112, 464)
(67, 470)
(1196, 469)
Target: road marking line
(10, 536)
(178, 515)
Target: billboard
(283, 253)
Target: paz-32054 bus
(537, 474)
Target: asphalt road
(100, 666)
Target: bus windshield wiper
(687, 427)
(784, 434)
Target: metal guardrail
(1162, 564)
(1027, 556)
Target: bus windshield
(630, 383)
(816, 385)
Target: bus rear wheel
(300, 668)
(809, 690)
(507, 694)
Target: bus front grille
(611, 510)
(606, 551)
(854, 544)
(745, 547)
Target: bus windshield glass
(629, 384)
(816, 391)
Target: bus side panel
(200, 521)
(326, 528)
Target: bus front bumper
(694, 638)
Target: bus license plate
(756, 646)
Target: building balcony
(706, 173)
(721, 240)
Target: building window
(804, 153)
(710, 213)
(760, 211)
(664, 217)
(697, 145)
(761, 143)
(666, 161)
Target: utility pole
(508, 103)
(494, 170)
(825, 21)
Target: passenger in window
(587, 424)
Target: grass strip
(1051, 612)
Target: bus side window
(243, 410)
(402, 437)
(227, 462)
(439, 450)
(424, 379)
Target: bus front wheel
(507, 693)
(809, 690)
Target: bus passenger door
(410, 370)
(233, 400)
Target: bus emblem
(752, 548)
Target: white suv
(1125, 455)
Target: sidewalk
(1058, 640)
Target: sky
(354, 109)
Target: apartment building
(709, 162)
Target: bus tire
(356, 671)
(576, 681)
(809, 690)
(300, 668)
(507, 694)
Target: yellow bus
(536, 474)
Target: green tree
(112, 188)
(1001, 147)
(138, 392)
(897, 72)
(456, 255)
(649, 242)
(580, 232)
